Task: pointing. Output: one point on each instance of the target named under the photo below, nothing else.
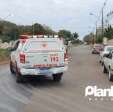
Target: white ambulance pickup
(108, 65)
(38, 57)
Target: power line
(104, 4)
(101, 14)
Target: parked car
(105, 51)
(108, 65)
(97, 48)
(39, 57)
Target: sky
(73, 15)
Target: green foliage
(38, 28)
(4, 54)
(89, 38)
(99, 39)
(68, 36)
(109, 32)
(65, 34)
(75, 35)
(48, 30)
(10, 31)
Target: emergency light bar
(38, 36)
(47, 36)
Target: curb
(4, 62)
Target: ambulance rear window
(36, 46)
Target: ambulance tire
(11, 68)
(57, 77)
(19, 78)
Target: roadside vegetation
(10, 31)
(91, 37)
(4, 54)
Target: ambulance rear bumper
(43, 71)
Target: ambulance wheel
(110, 76)
(104, 69)
(19, 78)
(11, 68)
(57, 77)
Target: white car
(105, 51)
(39, 56)
(108, 65)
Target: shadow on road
(34, 81)
(41, 82)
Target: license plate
(44, 71)
(43, 68)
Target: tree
(38, 29)
(99, 39)
(68, 36)
(1, 29)
(48, 30)
(89, 38)
(10, 31)
(109, 32)
(75, 35)
(65, 34)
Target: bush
(99, 39)
(4, 54)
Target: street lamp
(95, 23)
(104, 5)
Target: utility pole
(95, 37)
(96, 29)
(33, 28)
(102, 22)
(104, 5)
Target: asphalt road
(43, 95)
